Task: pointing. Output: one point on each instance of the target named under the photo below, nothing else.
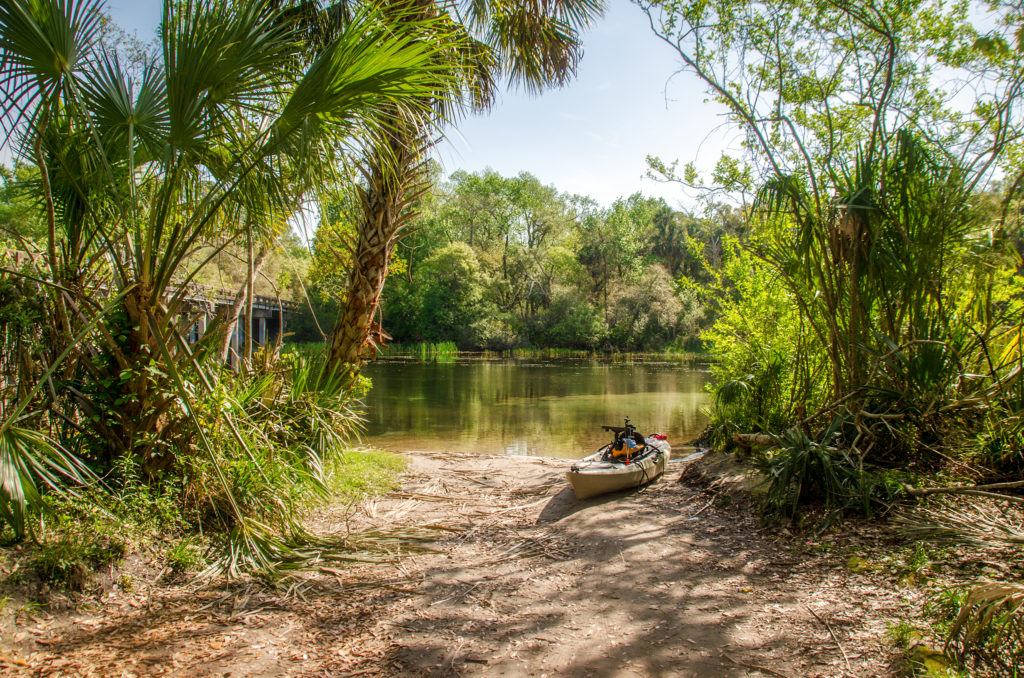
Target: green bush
(569, 322)
(184, 555)
(804, 469)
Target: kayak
(599, 473)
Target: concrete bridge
(268, 314)
(202, 303)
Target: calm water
(552, 409)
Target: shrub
(184, 555)
(814, 469)
(568, 322)
(67, 560)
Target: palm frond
(42, 45)
(29, 463)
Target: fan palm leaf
(31, 462)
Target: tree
(814, 84)
(645, 312)
(867, 220)
(451, 296)
(533, 45)
(613, 241)
(827, 130)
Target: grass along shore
(449, 352)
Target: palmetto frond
(42, 46)
(30, 463)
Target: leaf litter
(487, 565)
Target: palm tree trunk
(250, 275)
(395, 179)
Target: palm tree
(533, 44)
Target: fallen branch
(703, 508)
(834, 639)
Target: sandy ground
(523, 580)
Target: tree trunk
(229, 318)
(394, 180)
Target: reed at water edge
(447, 352)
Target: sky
(590, 137)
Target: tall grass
(443, 352)
(440, 352)
(305, 350)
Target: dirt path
(528, 582)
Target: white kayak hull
(592, 476)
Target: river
(540, 408)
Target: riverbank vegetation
(139, 171)
(499, 263)
(145, 171)
(869, 326)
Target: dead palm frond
(988, 634)
(974, 524)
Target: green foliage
(184, 555)
(144, 174)
(987, 632)
(146, 506)
(568, 323)
(645, 312)
(892, 303)
(543, 269)
(766, 360)
(22, 308)
(269, 435)
(78, 539)
(444, 351)
(804, 469)
(903, 634)
(451, 299)
(873, 322)
(30, 463)
(452, 292)
(67, 561)
(20, 221)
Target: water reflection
(539, 408)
